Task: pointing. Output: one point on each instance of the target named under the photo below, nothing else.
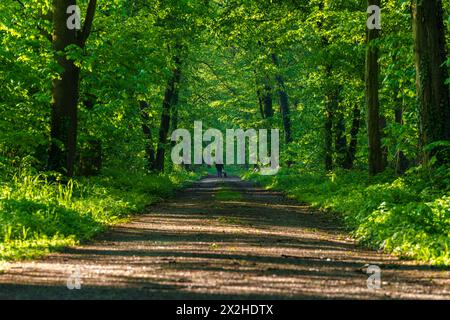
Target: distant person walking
(219, 168)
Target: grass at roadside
(226, 194)
(408, 216)
(38, 216)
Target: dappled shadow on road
(260, 246)
(143, 291)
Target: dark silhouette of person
(219, 168)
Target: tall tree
(331, 104)
(65, 93)
(376, 163)
(268, 99)
(284, 101)
(170, 96)
(353, 143)
(431, 71)
(340, 142)
(146, 129)
(331, 95)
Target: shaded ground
(246, 244)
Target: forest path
(223, 238)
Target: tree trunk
(376, 164)
(340, 139)
(64, 96)
(174, 107)
(329, 141)
(261, 94)
(401, 163)
(265, 100)
(268, 99)
(284, 102)
(174, 116)
(260, 103)
(351, 149)
(170, 94)
(329, 100)
(330, 108)
(149, 150)
(384, 149)
(266, 96)
(432, 72)
(65, 91)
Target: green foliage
(408, 216)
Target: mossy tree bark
(432, 72)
